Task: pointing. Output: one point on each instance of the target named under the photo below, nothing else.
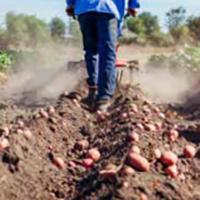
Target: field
(43, 149)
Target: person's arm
(133, 5)
(70, 8)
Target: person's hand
(70, 11)
(133, 12)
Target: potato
(172, 171)
(4, 143)
(135, 149)
(20, 124)
(158, 125)
(138, 162)
(72, 164)
(173, 135)
(88, 162)
(59, 162)
(27, 134)
(169, 158)
(189, 151)
(94, 154)
(51, 110)
(43, 113)
(150, 127)
(157, 153)
(143, 196)
(128, 170)
(140, 127)
(133, 137)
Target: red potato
(72, 164)
(133, 137)
(172, 171)
(161, 116)
(135, 149)
(81, 145)
(189, 151)
(19, 131)
(43, 113)
(156, 110)
(147, 111)
(138, 162)
(6, 131)
(158, 125)
(169, 158)
(143, 196)
(51, 110)
(140, 127)
(4, 143)
(157, 153)
(27, 134)
(20, 124)
(124, 115)
(150, 127)
(173, 135)
(59, 162)
(94, 154)
(128, 170)
(88, 162)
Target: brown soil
(28, 172)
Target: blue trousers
(100, 31)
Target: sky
(47, 9)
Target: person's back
(99, 22)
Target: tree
(150, 22)
(193, 24)
(136, 25)
(23, 30)
(58, 27)
(175, 17)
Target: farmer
(99, 22)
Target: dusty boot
(102, 105)
(89, 101)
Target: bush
(187, 61)
(160, 39)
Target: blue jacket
(116, 7)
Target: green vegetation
(181, 29)
(186, 61)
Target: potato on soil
(27, 134)
(59, 162)
(51, 110)
(173, 135)
(134, 149)
(138, 162)
(4, 143)
(157, 153)
(93, 154)
(169, 158)
(87, 162)
(189, 151)
(133, 137)
(128, 170)
(150, 127)
(172, 171)
(43, 113)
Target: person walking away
(99, 23)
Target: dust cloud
(166, 86)
(36, 81)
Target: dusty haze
(36, 81)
